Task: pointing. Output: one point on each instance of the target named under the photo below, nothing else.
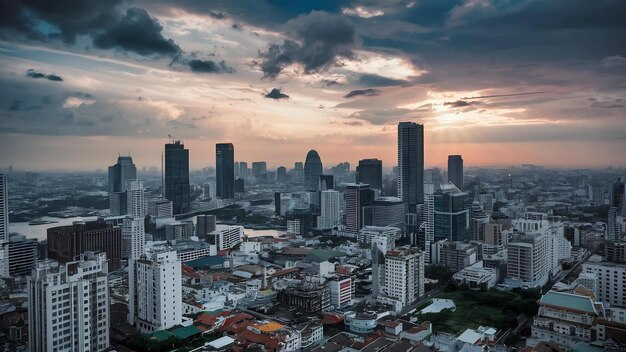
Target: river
(40, 231)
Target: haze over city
(504, 83)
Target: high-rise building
(493, 234)
(244, 172)
(133, 237)
(451, 214)
(225, 170)
(411, 171)
(528, 259)
(68, 305)
(611, 281)
(240, 186)
(259, 168)
(455, 170)
(357, 196)
(404, 275)
(330, 215)
(205, 224)
(312, 171)
(22, 255)
(478, 220)
(237, 169)
(618, 196)
(370, 171)
(155, 291)
(384, 211)
(326, 182)
(65, 243)
(177, 187)
(4, 226)
(160, 208)
(135, 199)
(226, 236)
(281, 174)
(119, 173)
(598, 195)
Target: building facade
(177, 188)
(455, 170)
(370, 171)
(225, 170)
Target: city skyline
(274, 83)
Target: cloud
(379, 81)
(138, 32)
(607, 104)
(209, 66)
(362, 11)
(614, 61)
(316, 41)
(36, 74)
(276, 94)
(78, 100)
(370, 92)
(458, 103)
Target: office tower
(618, 196)
(357, 196)
(133, 238)
(455, 170)
(384, 211)
(455, 256)
(155, 291)
(326, 182)
(493, 234)
(330, 215)
(528, 259)
(451, 214)
(259, 168)
(244, 172)
(411, 171)
(119, 173)
(208, 190)
(177, 187)
(615, 251)
(67, 242)
(370, 171)
(478, 220)
(341, 170)
(281, 174)
(135, 199)
(611, 281)
(179, 230)
(205, 224)
(298, 172)
(404, 275)
(226, 236)
(160, 208)
(22, 255)
(225, 174)
(598, 195)
(4, 226)
(236, 170)
(68, 305)
(240, 186)
(312, 171)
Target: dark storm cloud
(379, 81)
(370, 92)
(316, 41)
(276, 94)
(138, 32)
(36, 74)
(209, 66)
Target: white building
(4, 227)
(293, 227)
(160, 208)
(330, 215)
(68, 305)
(611, 281)
(404, 275)
(135, 199)
(428, 214)
(133, 238)
(226, 236)
(341, 291)
(529, 260)
(390, 233)
(476, 277)
(155, 291)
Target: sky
(500, 82)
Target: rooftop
(569, 301)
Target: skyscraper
(68, 305)
(244, 172)
(281, 174)
(330, 214)
(22, 255)
(370, 171)
(4, 227)
(259, 168)
(225, 170)
(618, 196)
(455, 170)
(404, 275)
(177, 177)
(312, 171)
(451, 214)
(411, 165)
(119, 173)
(357, 196)
(155, 291)
(135, 199)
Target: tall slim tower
(357, 196)
(4, 227)
(312, 171)
(119, 174)
(177, 187)
(370, 171)
(455, 170)
(225, 170)
(411, 171)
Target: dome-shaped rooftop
(313, 157)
